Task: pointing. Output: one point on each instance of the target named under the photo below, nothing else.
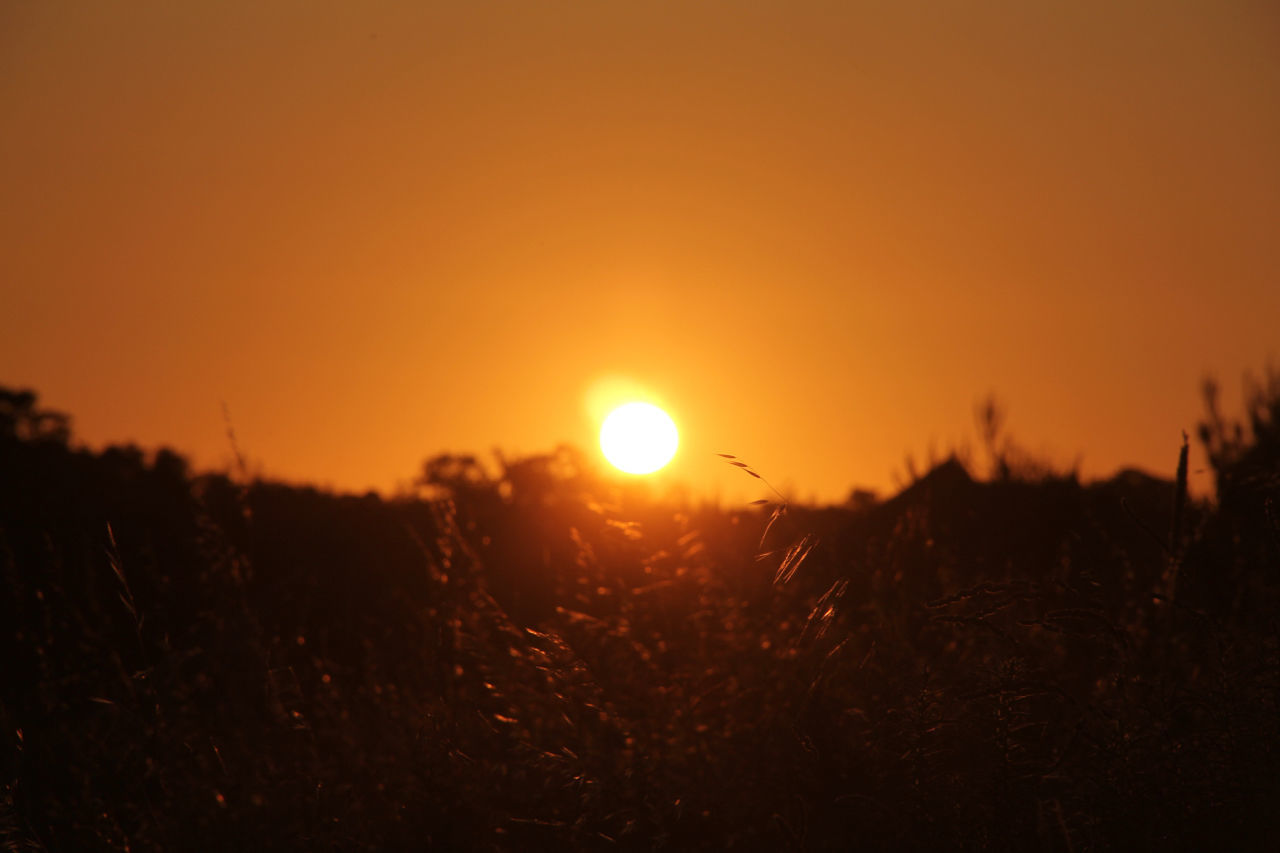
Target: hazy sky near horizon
(817, 232)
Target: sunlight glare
(638, 438)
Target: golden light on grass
(638, 438)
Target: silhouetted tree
(457, 475)
(22, 419)
(1245, 455)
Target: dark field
(534, 659)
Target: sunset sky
(817, 233)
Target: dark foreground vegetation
(533, 659)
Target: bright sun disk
(638, 438)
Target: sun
(638, 438)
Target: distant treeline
(534, 658)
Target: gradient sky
(818, 232)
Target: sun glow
(638, 438)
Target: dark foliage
(535, 659)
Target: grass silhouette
(537, 659)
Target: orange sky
(818, 232)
